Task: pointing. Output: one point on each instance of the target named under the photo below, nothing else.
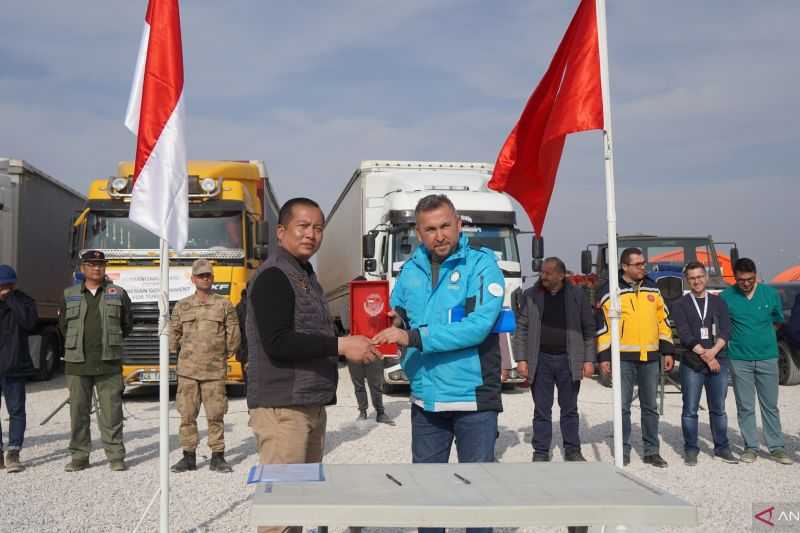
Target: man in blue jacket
(452, 363)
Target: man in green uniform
(94, 318)
(204, 331)
(755, 310)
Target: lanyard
(705, 309)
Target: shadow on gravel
(508, 438)
(206, 526)
(356, 430)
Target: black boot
(218, 463)
(362, 414)
(189, 462)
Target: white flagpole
(613, 267)
(163, 360)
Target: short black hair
(433, 201)
(285, 214)
(745, 264)
(627, 253)
(560, 266)
(691, 265)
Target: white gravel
(45, 498)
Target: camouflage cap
(93, 256)
(202, 266)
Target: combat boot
(2, 463)
(189, 462)
(218, 463)
(12, 462)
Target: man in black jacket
(555, 347)
(293, 350)
(18, 318)
(704, 328)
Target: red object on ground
(369, 308)
(567, 100)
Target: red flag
(567, 100)
(155, 114)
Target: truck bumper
(150, 375)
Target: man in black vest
(293, 350)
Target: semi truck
(35, 210)
(231, 208)
(370, 233)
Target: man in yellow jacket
(645, 336)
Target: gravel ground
(45, 498)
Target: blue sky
(704, 98)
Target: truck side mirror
(368, 246)
(734, 256)
(262, 233)
(586, 262)
(538, 247)
(370, 265)
(261, 251)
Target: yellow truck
(231, 208)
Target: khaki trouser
(191, 393)
(109, 416)
(288, 435)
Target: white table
(498, 494)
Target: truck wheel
(788, 368)
(47, 358)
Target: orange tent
(676, 256)
(790, 274)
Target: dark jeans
(645, 375)
(373, 373)
(13, 390)
(553, 370)
(432, 434)
(716, 385)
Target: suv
(789, 354)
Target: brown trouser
(191, 393)
(288, 435)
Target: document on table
(292, 473)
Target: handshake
(361, 349)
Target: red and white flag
(568, 99)
(155, 114)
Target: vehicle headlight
(208, 185)
(119, 184)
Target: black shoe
(218, 463)
(626, 459)
(574, 456)
(727, 456)
(362, 414)
(383, 418)
(541, 458)
(189, 462)
(654, 460)
(690, 458)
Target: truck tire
(788, 367)
(47, 357)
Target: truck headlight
(119, 184)
(208, 185)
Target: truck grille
(141, 346)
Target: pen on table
(465, 480)
(394, 479)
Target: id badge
(704, 334)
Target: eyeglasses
(746, 280)
(637, 265)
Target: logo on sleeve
(496, 290)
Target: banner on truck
(142, 284)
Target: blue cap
(7, 275)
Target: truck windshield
(673, 254)
(499, 239)
(211, 230)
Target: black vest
(274, 383)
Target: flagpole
(163, 360)
(611, 210)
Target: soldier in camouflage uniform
(204, 331)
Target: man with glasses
(755, 309)
(204, 332)
(645, 337)
(94, 318)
